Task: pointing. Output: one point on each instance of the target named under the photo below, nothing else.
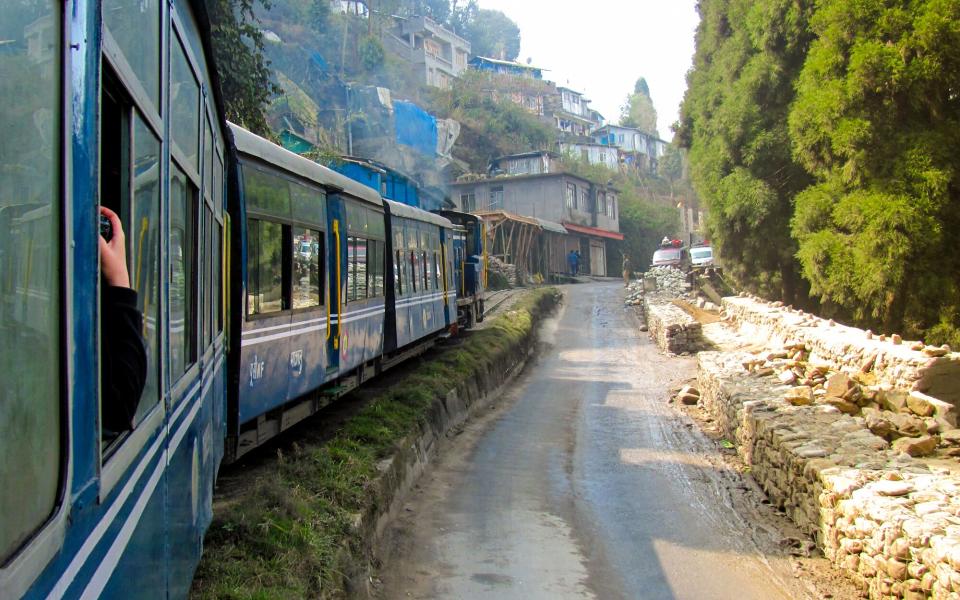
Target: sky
(601, 48)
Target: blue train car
(422, 300)
(108, 104)
(331, 284)
(470, 260)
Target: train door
(336, 267)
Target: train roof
(252, 144)
(411, 212)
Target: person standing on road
(578, 262)
(573, 262)
(627, 270)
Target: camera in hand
(106, 227)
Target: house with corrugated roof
(533, 185)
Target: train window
(30, 402)
(219, 198)
(264, 267)
(426, 271)
(398, 273)
(266, 193)
(135, 27)
(356, 218)
(208, 161)
(437, 274)
(143, 237)
(308, 205)
(218, 269)
(207, 287)
(375, 225)
(183, 272)
(417, 272)
(184, 105)
(356, 269)
(307, 261)
(375, 267)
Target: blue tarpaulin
(415, 128)
(318, 60)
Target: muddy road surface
(584, 482)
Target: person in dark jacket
(123, 354)
(573, 261)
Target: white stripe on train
(93, 540)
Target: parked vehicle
(671, 256)
(701, 256)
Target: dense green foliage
(877, 121)
(733, 119)
(492, 33)
(638, 111)
(244, 73)
(831, 127)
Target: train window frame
(179, 385)
(321, 270)
(286, 259)
(115, 49)
(292, 217)
(179, 381)
(31, 556)
(376, 255)
(176, 152)
(116, 457)
(113, 459)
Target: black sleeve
(123, 357)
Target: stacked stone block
(901, 364)
(889, 520)
(672, 328)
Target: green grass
(290, 531)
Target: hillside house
(505, 67)
(357, 8)
(589, 212)
(592, 153)
(571, 114)
(440, 53)
(527, 163)
(638, 149)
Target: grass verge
(293, 530)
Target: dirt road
(585, 483)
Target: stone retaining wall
(889, 520)
(672, 328)
(895, 362)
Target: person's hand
(113, 254)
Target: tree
(462, 15)
(492, 33)
(371, 53)
(638, 111)
(733, 121)
(244, 72)
(876, 120)
(319, 15)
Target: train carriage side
(307, 287)
(108, 104)
(471, 265)
(422, 290)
